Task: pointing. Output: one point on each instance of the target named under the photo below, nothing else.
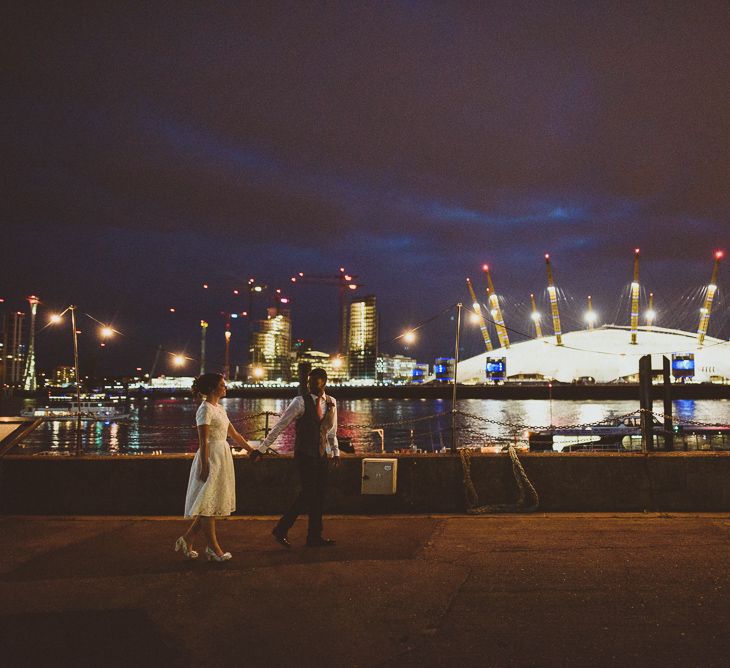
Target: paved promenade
(539, 590)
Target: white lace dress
(217, 495)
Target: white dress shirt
(295, 410)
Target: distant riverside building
(362, 340)
(269, 353)
(13, 350)
(395, 368)
(420, 373)
(64, 375)
(334, 365)
(443, 369)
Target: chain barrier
(524, 488)
(516, 426)
(680, 421)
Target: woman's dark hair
(202, 385)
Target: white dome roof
(605, 354)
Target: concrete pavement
(507, 590)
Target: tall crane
(29, 380)
(478, 310)
(553, 295)
(635, 298)
(495, 311)
(344, 282)
(709, 296)
(535, 315)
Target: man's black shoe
(320, 542)
(280, 538)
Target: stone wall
(598, 482)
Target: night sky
(149, 150)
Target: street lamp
(56, 318)
(227, 360)
(409, 337)
(178, 360)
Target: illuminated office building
(362, 340)
(269, 352)
(13, 350)
(395, 368)
(334, 365)
(64, 376)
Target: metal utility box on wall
(379, 476)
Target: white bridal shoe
(180, 544)
(212, 556)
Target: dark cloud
(408, 141)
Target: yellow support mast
(535, 315)
(495, 310)
(590, 315)
(553, 294)
(650, 313)
(635, 298)
(709, 296)
(478, 310)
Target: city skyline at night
(149, 152)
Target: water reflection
(168, 425)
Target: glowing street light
(409, 337)
(178, 360)
(258, 372)
(473, 318)
(55, 318)
(106, 332)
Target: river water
(167, 425)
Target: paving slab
(500, 590)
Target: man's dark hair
(319, 372)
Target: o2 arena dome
(605, 355)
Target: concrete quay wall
(156, 485)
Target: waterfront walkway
(537, 590)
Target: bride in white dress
(212, 485)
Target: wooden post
(668, 425)
(645, 403)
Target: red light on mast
(719, 255)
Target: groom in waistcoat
(316, 442)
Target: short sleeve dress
(216, 496)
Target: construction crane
(478, 310)
(344, 282)
(29, 380)
(535, 315)
(553, 295)
(709, 296)
(495, 311)
(635, 298)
